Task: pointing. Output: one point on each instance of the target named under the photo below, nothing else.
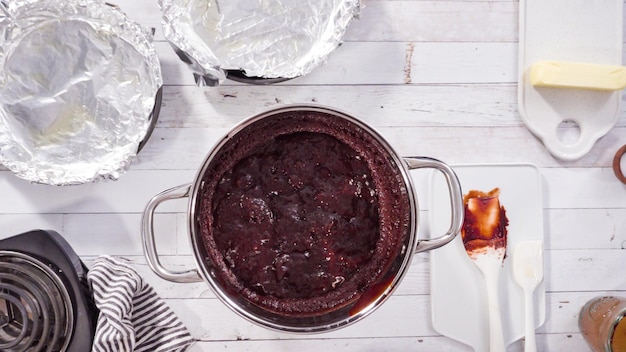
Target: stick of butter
(564, 74)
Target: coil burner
(44, 301)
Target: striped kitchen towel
(132, 317)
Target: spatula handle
(530, 344)
(496, 335)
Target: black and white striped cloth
(133, 318)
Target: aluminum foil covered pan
(267, 39)
(79, 87)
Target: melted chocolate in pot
(302, 212)
(297, 217)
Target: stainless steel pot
(208, 267)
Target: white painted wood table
(436, 78)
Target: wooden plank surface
(435, 78)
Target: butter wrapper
(265, 39)
(78, 87)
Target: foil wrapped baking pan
(80, 90)
(255, 41)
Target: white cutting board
(587, 31)
(458, 294)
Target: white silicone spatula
(484, 238)
(528, 273)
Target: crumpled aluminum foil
(262, 38)
(78, 85)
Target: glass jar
(602, 324)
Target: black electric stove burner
(45, 302)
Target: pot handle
(149, 245)
(456, 201)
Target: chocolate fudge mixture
(302, 214)
(296, 217)
(485, 222)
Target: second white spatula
(528, 273)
